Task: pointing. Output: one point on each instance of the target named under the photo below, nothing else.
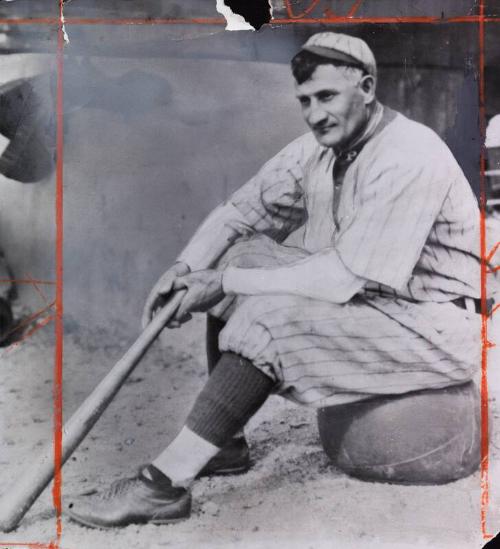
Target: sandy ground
(292, 497)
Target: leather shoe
(135, 500)
(233, 459)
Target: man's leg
(234, 457)
(233, 393)
(214, 328)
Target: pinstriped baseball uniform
(407, 224)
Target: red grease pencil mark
(493, 251)
(25, 323)
(58, 358)
(144, 21)
(377, 20)
(29, 21)
(293, 18)
(30, 545)
(484, 312)
(330, 17)
(39, 325)
(307, 11)
(39, 291)
(26, 281)
(355, 8)
(352, 12)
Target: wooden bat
(17, 500)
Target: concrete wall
(153, 143)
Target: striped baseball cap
(343, 47)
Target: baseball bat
(17, 500)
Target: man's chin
(326, 139)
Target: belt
(472, 304)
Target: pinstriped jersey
(408, 219)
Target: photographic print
(248, 274)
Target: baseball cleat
(136, 500)
(233, 459)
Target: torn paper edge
(235, 21)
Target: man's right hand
(162, 291)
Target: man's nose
(316, 113)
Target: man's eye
(304, 101)
(327, 96)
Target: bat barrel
(18, 499)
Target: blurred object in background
(8, 292)
(29, 124)
(493, 133)
(492, 144)
(28, 116)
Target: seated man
(378, 296)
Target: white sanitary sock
(185, 457)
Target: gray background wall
(159, 131)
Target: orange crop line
(30, 545)
(143, 21)
(484, 269)
(350, 19)
(59, 329)
(279, 21)
(221, 21)
(29, 21)
(26, 281)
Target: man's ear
(367, 85)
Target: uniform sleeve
(399, 201)
(320, 276)
(272, 202)
(214, 236)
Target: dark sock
(157, 480)
(235, 390)
(214, 328)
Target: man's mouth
(324, 129)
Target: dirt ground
(292, 497)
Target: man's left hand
(204, 290)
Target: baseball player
(345, 269)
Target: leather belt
(470, 303)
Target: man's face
(333, 105)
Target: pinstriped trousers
(321, 353)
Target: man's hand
(162, 291)
(204, 290)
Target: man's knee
(240, 254)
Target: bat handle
(18, 499)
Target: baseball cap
(343, 47)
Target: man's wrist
(234, 280)
(225, 283)
(181, 268)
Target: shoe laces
(119, 487)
